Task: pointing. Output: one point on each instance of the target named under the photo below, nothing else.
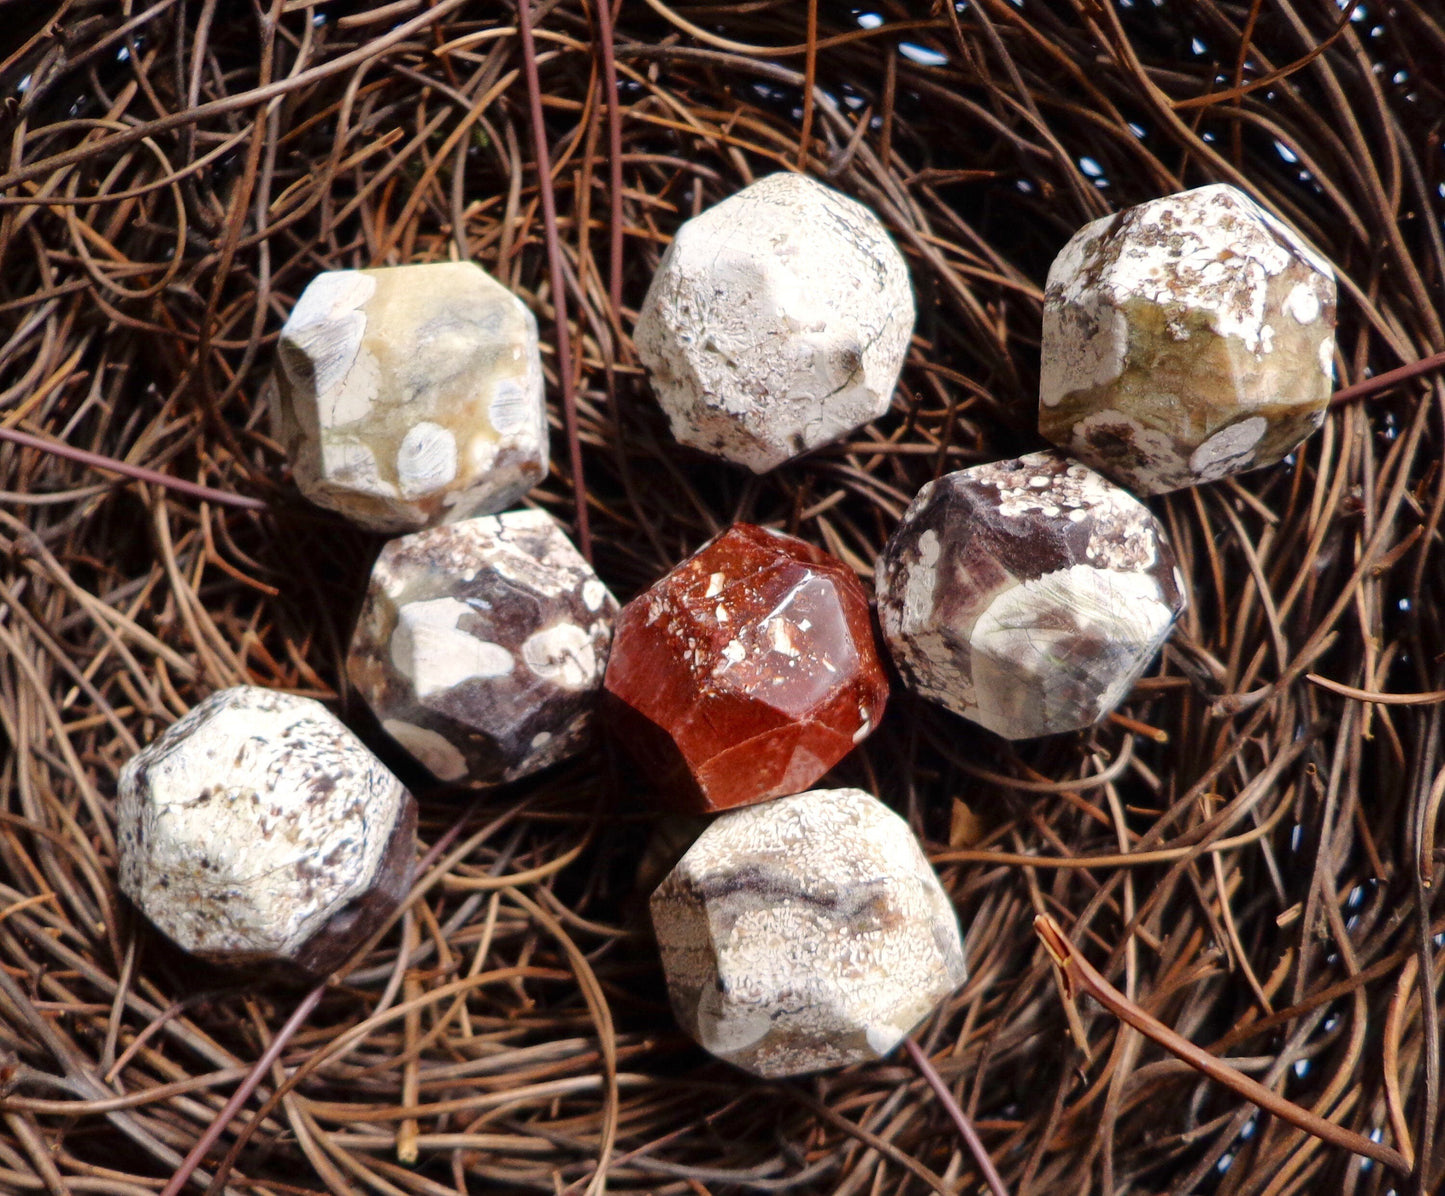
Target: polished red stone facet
(745, 673)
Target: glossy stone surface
(1027, 595)
(481, 646)
(411, 395)
(259, 829)
(745, 673)
(777, 321)
(805, 933)
(1185, 339)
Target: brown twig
(1077, 972)
(958, 1117)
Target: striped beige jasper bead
(411, 395)
(481, 646)
(1027, 595)
(258, 829)
(805, 933)
(1186, 339)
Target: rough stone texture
(1186, 339)
(1027, 595)
(411, 395)
(805, 933)
(481, 646)
(745, 673)
(259, 829)
(777, 321)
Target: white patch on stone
(511, 411)
(431, 649)
(426, 460)
(594, 593)
(541, 739)
(1302, 303)
(349, 463)
(482, 453)
(732, 653)
(715, 583)
(351, 399)
(780, 636)
(432, 751)
(1228, 450)
(562, 654)
(327, 326)
(918, 594)
(1327, 356)
(1017, 651)
(1077, 361)
(1317, 261)
(883, 1038)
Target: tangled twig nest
(1248, 855)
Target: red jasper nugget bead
(745, 673)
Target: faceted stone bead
(411, 395)
(778, 321)
(745, 673)
(1185, 339)
(481, 646)
(805, 933)
(258, 829)
(1027, 595)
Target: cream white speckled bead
(481, 646)
(259, 829)
(411, 395)
(805, 933)
(1027, 595)
(1185, 339)
(778, 321)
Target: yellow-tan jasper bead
(411, 395)
(1185, 339)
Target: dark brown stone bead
(481, 644)
(745, 673)
(1028, 596)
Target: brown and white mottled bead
(259, 829)
(1027, 595)
(481, 646)
(411, 395)
(805, 933)
(778, 321)
(1186, 339)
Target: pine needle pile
(1248, 854)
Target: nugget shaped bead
(1027, 595)
(259, 829)
(805, 933)
(1185, 339)
(481, 646)
(411, 395)
(778, 321)
(746, 672)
